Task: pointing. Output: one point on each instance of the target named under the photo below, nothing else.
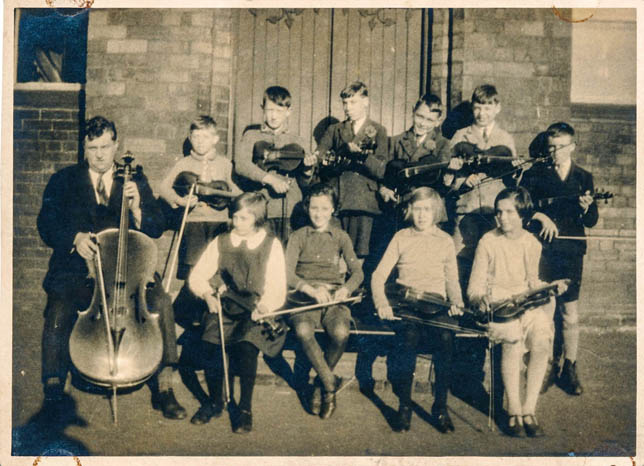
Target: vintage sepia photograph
(320, 232)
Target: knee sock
(214, 372)
(246, 355)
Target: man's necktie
(485, 135)
(100, 190)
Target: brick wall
(45, 140)
(606, 147)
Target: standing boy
(280, 186)
(562, 193)
(357, 185)
(204, 221)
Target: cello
(116, 342)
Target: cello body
(138, 343)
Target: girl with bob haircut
(506, 263)
(425, 193)
(425, 260)
(236, 265)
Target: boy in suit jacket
(80, 200)
(422, 143)
(357, 185)
(564, 205)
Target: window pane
(604, 58)
(52, 45)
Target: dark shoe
(514, 427)
(206, 412)
(328, 405)
(443, 421)
(532, 427)
(403, 419)
(552, 373)
(569, 379)
(244, 422)
(168, 404)
(316, 399)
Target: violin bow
(111, 353)
(167, 279)
(220, 319)
(310, 307)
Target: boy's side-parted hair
(421, 194)
(356, 87)
(432, 101)
(278, 95)
(253, 201)
(321, 189)
(522, 201)
(560, 129)
(485, 94)
(203, 122)
(95, 127)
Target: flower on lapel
(369, 144)
(429, 144)
(370, 131)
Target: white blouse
(274, 294)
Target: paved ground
(601, 422)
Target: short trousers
(557, 266)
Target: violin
(431, 304)
(513, 307)
(241, 305)
(284, 159)
(597, 195)
(333, 162)
(217, 194)
(116, 342)
(423, 303)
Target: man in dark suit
(564, 206)
(78, 201)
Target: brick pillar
(45, 141)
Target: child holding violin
(424, 258)
(270, 157)
(210, 169)
(313, 263)
(242, 275)
(563, 192)
(364, 142)
(507, 263)
(423, 144)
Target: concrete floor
(601, 422)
